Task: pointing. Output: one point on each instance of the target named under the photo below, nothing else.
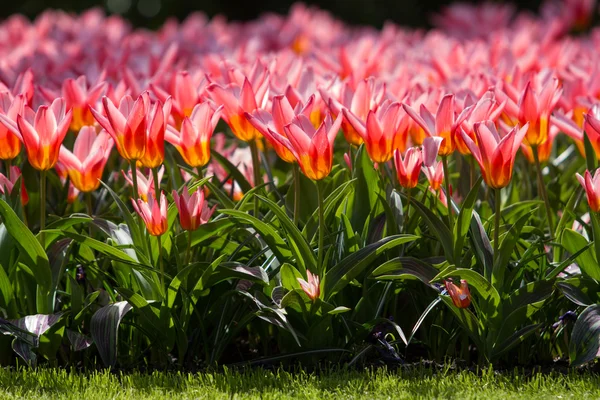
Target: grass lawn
(261, 384)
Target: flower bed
(295, 189)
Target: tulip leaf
(233, 171)
(482, 247)
(573, 242)
(305, 256)
(33, 254)
(405, 268)
(585, 339)
(350, 267)
(463, 222)
(506, 248)
(439, 228)
(104, 327)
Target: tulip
(153, 214)
(185, 92)
(126, 124)
(43, 132)
(80, 98)
(357, 104)
(442, 124)
(313, 148)
(592, 188)
(536, 109)
(380, 131)
(460, 295)
(193, 139)
(193, 210)
(495, 155)
(145, 185)
(435, 175)
(237, 102)
(7, 184)
(312, 288)
(409, 167)
(10, 107)
(486, 108)
(272, 124)
(85, 164)
(156, 124)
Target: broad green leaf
(438, 227)
(513, 340)
(277, 245)
(33, 255)
(298, 243)
(573, 242)
(585, 339)
(463, 222)
(507, 246)
(350, 267)
(580, 290)
(233, 171)
(467, 319)
(405, 268)
(481, 246)
(104, 328)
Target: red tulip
(193, 210)
(592, 188)
(409, 167)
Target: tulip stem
(156, 185)
(186, 260)
(296, 172)
(90, 210)
(200, 173)
(162, 266)
(408, 199)
(255, 170)
(448, 196)
(8, 164)
(321, 230)
(42, 208)
(542, 190)
(134, 179)
(497, 217)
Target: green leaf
(33, 254)
(350, 267)
(106, 249)
(463, 222)
(506, 249)
(134, 230)
(573, 242)
(339, 310)
(365, 199)
(104, 328)
(514, 339)
(298, 243)
(439, 228)
(277, 245)
(481, 245)
(233, 171)
(533, 292)
(585, 339)
(467, 319)
(405, 268)
(580, 290)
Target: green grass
(261, 384)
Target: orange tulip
(153, 214)
(85, 164)
(312, 148)
(43, 132)
(460, 295)
(193, 139)
(237, 102)
(592, 188)
(156, 124)
(409, 167)
(536, 109)
(495, 155)
(380, 131)
(126, 124)
(10, 145)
